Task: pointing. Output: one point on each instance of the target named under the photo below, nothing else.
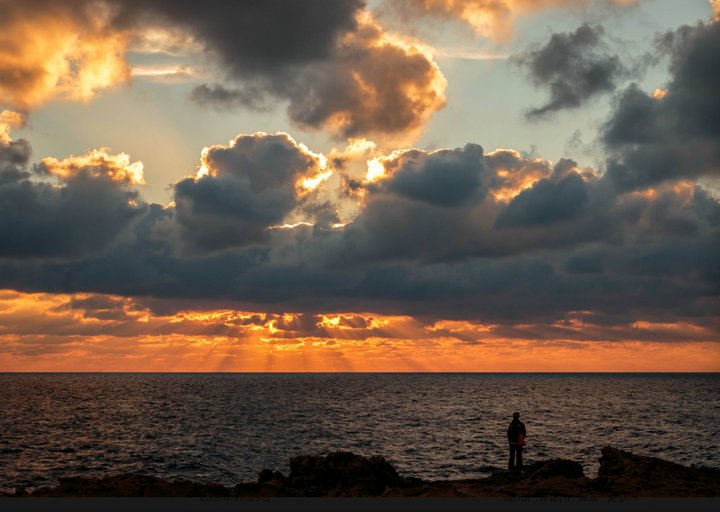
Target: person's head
(516, 416)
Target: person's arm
(524, 431)
(508, 432)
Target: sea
(226, 428)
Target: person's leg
(519, 458)
(512, 456)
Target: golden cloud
(525, 172)
(53, 55)
(8, 120)
(493, 18)
(716, 9)
(97, 163)
(379, 83)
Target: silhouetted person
(516, 428)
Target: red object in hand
(521, 441)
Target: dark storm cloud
(442, 178)
(250, 185)
(655, 279)
(338, 69)
(575, 67)
(15, 152)
(675, 134)
(83, 215)
(63, 40)
(221, 98)
(450, 205)
(250, 36)
(253, 37)
(14, 157)
(557, 208)
(546, 201)
(331, 61)
(451, 234)
(370, 85)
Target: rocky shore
(345, 474)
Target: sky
(341, 185)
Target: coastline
(344, 474)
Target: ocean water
(227, 427)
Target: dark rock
(554, 468)
(345, 474)
(341, 471)
(626, 474)
(267, 475)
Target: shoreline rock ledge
(621, 474)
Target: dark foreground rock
(345, 474)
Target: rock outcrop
(345, 474)
(626, 474)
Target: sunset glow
(108, 333)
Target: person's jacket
(514, 430)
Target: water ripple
(227, 427)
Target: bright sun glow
(312, 183)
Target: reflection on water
(227, 427)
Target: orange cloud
(493, 18)
(97, 162)
(46, 332)
(8, 120)
(53, 55)
(378, 83)
(716, 9)
(523, 175)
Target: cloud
(492, 19)
(670, 136)
(450, 234)
(96, 163)
(63, 51)
(443, 178)
(8, 121)
(152, 39)
(85, 214)
(168, 73)
(244, 188)
(335, 65)
(546, 201)
(14, 155)
(372, 83)
(249, 38)
(223, 99)
(574, 67)
(504, 206)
